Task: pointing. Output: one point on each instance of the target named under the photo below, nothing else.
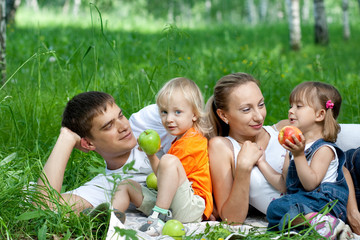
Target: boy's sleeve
(149, 118)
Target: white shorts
(185, 207)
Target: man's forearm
(54, 168)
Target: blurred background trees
(189, 11)
(196, 13)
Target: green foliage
(51, 58)
(214, 232)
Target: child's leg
(128, 191)
(171, 175)
(186, 206)
(326, 225)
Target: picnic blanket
(135, 219)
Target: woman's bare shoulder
(218, 141)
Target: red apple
(149, 141)
(151, 181)
(174, 229)
(286, 133)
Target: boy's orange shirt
(191, 149)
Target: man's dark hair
(81, 110)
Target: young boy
(93, 122)
(184, 185)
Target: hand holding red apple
(287, 132)
(291, 133)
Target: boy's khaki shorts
(185, 207)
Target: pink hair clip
(329, 104)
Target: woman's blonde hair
(319, 95)
(191, 93)
(220, 100)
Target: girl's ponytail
(331, 126)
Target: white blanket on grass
(135, 219)
(256, 224)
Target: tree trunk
(264, 4)
(33, 4)
(77, 4)
(208, 6)
(321, 29)
(66, 7)
(250, 6)
(293, 7)
(10, 10)
(346, 24)
(3, 41)
(170, 15)
(306, 10)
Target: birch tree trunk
(66, 6)
(3, 40)
(208, 6)
(250, 6)
(77, 4)
(321, 29)
(263, 9)
(306, 10)
(293, 7)
(10, 10)
(346, 24)
(33, 4)
(170, 15)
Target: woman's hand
(249, 155)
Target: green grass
(52, 58)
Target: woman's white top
(261, 191)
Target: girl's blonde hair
(220, 100)
(191, 93)
(320, 95)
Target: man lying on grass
(92, 121)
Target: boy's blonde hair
(317, 95)
(191, 93)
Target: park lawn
(47, 64)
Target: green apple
(149, 141)
(151, 181)
(174, 229)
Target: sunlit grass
(51, 57)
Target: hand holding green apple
(149, 141)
